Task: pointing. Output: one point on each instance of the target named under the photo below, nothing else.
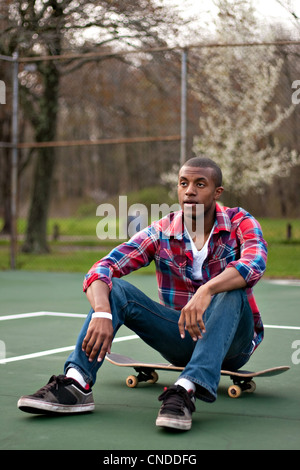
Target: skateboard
(242, 379)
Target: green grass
(283, 260)
(57, 261)
(275, 230)
(283, 254)
(78, 248)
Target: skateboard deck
(242, 379)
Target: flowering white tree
(238, 92)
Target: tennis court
(34, 346)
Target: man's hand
(98, 338)
(191, 318)
(100, 332)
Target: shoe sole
(174, 423)
(41, 407)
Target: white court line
(57, 350)
(49, 351)
(282, 327)
(71, 348)
(41, 314)
(284, 282)
(80, 315)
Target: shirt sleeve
(138, 252)
(253, 251)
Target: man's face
(196, 186)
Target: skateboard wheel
(234, 391)
(132, 381)
(154, 377)
(252, 387)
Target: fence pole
(14, 162)
(183, 106)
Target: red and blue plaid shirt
(236, 241)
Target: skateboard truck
(241, 385)
(144, 375)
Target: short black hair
(203, 162)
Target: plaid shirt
(236, 241)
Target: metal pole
(183, 106)
(14, 162)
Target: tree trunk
(36, 233)
(6, 192)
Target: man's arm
(245, 271)
(98, 296)
(100, 330)
(139, 251)
(191, 318)
(127, 257)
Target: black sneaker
(61, 395)
(177, 408)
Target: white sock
(187, 384)
(74, 374)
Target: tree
(7, 49)
(241, 114)
(53, 27)
(290, 6)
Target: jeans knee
(116, 282)
(122, 293)
(118, 292)
(232, 298)
(238, 294)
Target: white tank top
(199, 257)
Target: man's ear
(218, 192)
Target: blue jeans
(227, 342)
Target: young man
(207, 263)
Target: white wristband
(102, 315)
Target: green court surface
(33, 347)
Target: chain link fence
(92, 127)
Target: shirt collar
(173, 227)
(222, 221)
